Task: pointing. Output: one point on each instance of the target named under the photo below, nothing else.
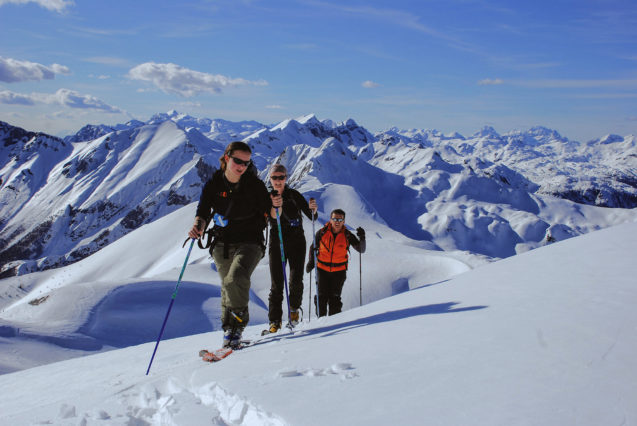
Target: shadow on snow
(330, 330)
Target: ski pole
(316, 267)
(309, 302)
(360, 272)
(285, 279)
(172, 300)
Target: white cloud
(490, 82)
(7, 97)
(60, 69)
(368, 84)
(13, 70)
(73, 99)
(63, 97)
(172, 78)
(53, 5)
(274, 107)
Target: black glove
(360, 232)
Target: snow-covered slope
(128, 282)
(547, 337)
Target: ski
(216, 355)
(219, 354)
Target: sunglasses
(278, 177)
(338, 219)
(240, 162)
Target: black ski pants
(294, 250)
(330, 286)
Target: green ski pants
(235, 272)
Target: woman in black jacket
(291, 204)
(238, 203)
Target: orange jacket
(333, 250)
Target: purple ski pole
(172, 300)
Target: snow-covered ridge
(96, 191)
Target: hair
(338, 211)
(232, 147)
(278, 168)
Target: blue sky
(451, 65)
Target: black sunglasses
(338, 219)
(240, 162)
(278, 177)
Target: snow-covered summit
(487, 132)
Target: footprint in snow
(170, 402)
(343, 369)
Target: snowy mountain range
(489, 194)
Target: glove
(360, 232)
(310, 261)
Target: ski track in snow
(168, 402)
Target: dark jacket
(244, 205)
(294, 204)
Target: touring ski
(216, 355)
(219, 354)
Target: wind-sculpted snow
(165, 401)
(170, 402)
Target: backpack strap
(348, 234)
(216, 230)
